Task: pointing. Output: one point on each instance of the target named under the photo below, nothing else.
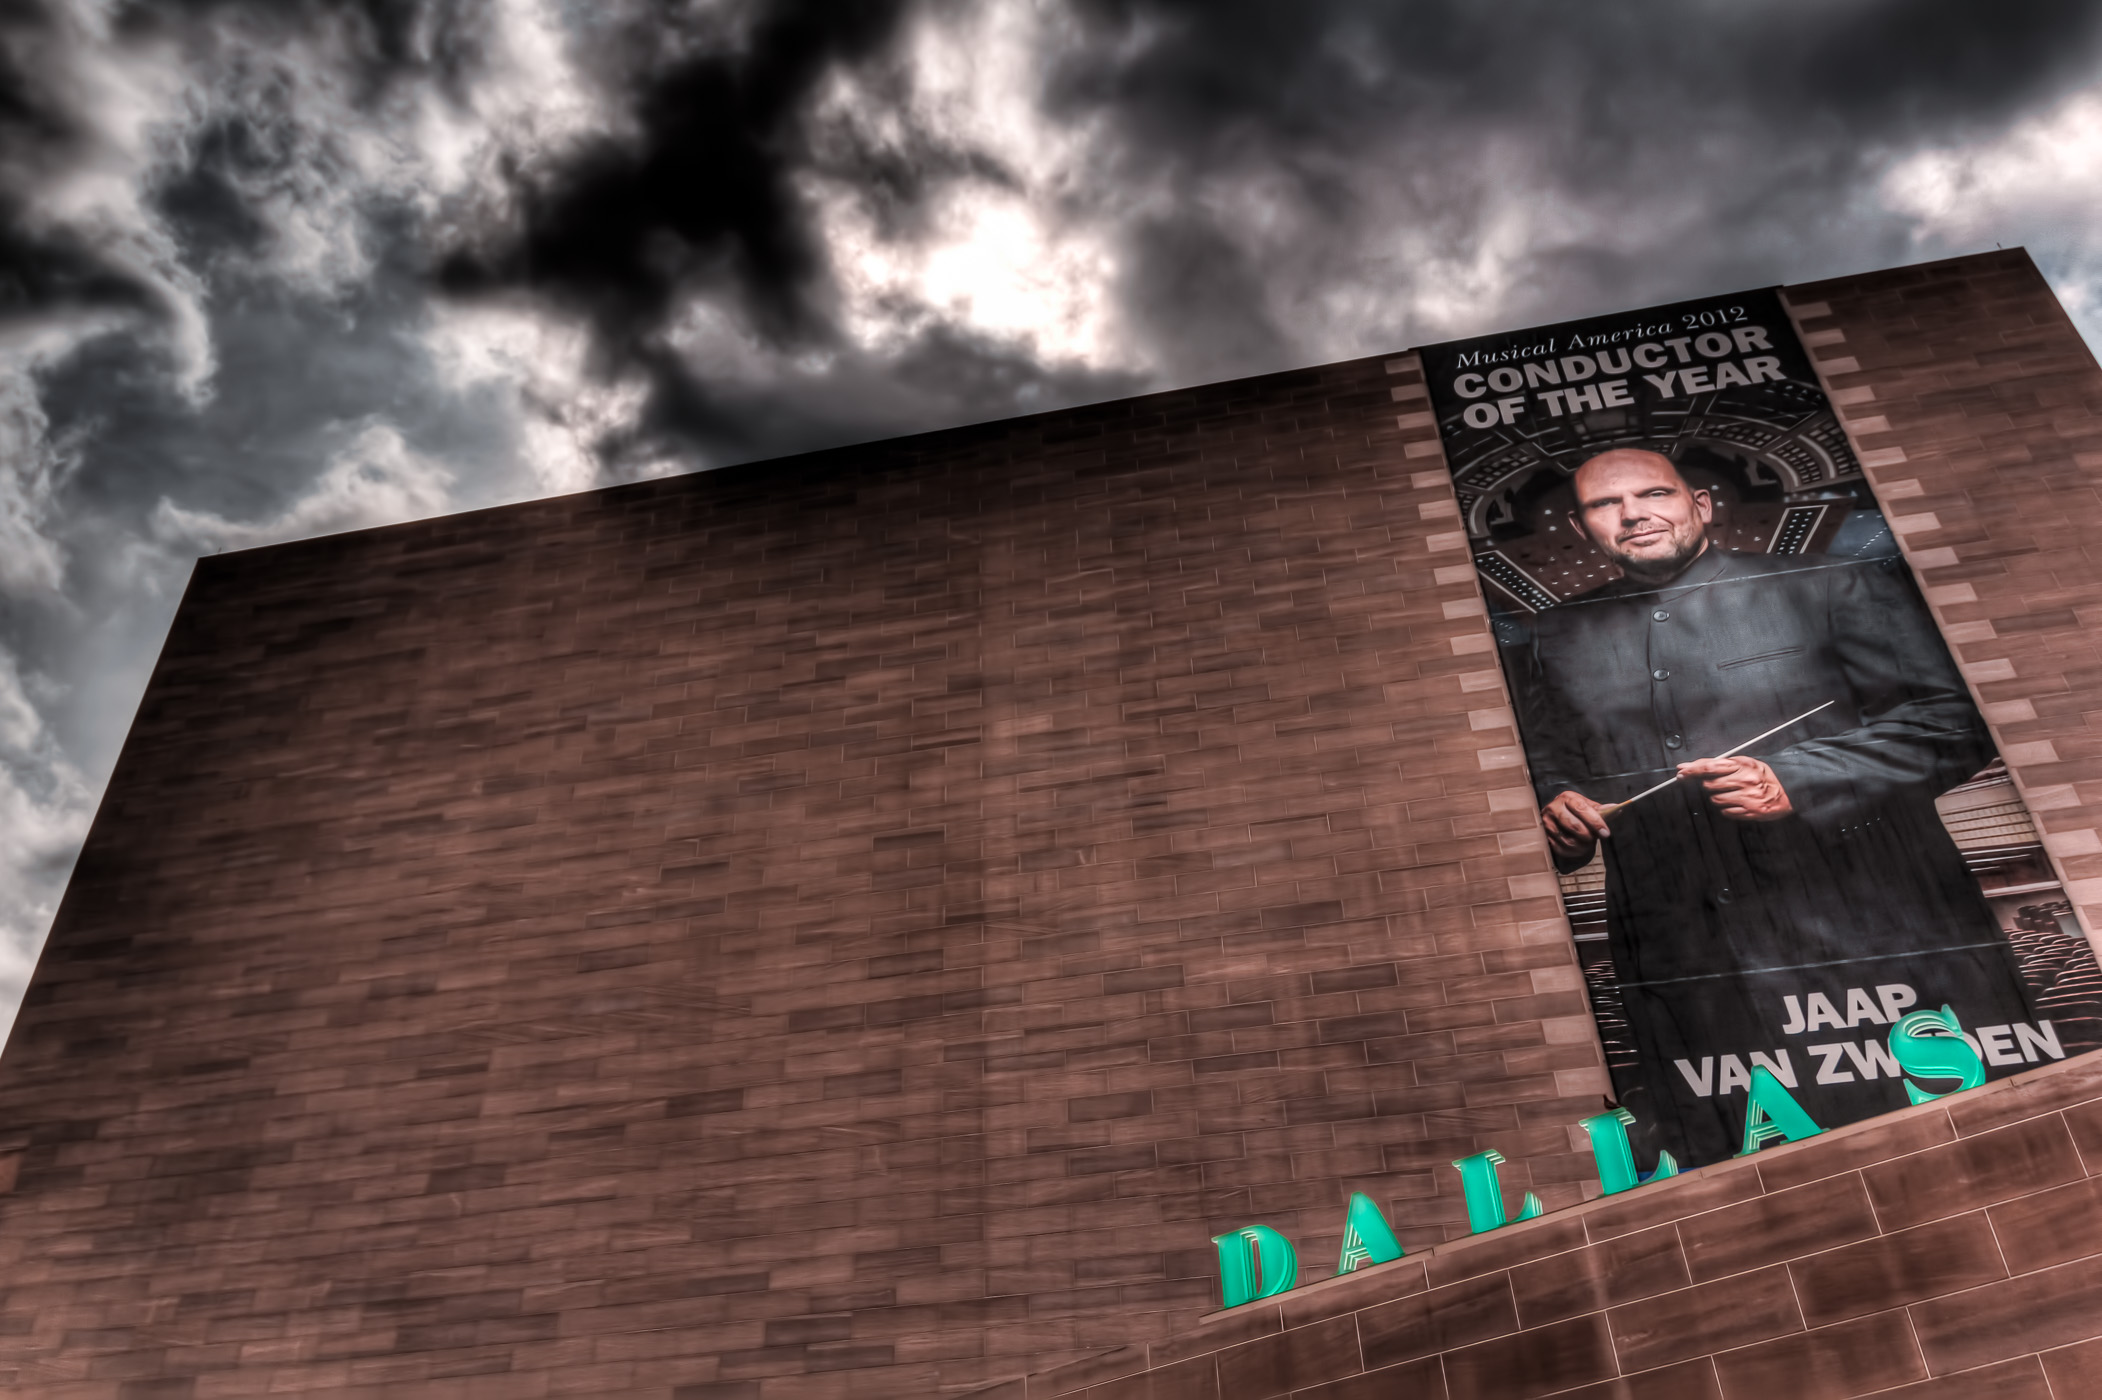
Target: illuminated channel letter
(1366, 1238)
(1485, 1195)
(1254, 1262)
(1615, 1156)
(1932, 1045)
(1771, 1112)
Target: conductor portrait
(1816, 861)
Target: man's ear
(1576, 523)
(1705, 504)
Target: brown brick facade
(856, 926)
(1948, 1252)
(851, 926)
(1976, 410)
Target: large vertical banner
(1780, 820)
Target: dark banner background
(1784, 479)
(1725, 389)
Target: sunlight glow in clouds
(989, 264)
(2043, 171)
(538, 366)
(1000, 252)
(2035, 183)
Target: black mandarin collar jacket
(1618, 686)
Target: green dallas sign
(1258, 1262)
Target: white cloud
(124, 99)
(528, 105)
(2043, 173)
(374, 479)
(45, 807)
(1005, 256)
(30, 464)
(2038, 183)
(538, 366)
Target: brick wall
(857, 925)
(1947, 1252)
(1976, 410)
(850, 926)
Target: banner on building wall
(1779, 819)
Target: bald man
(1815, 863)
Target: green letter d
(1254, 1262)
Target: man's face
(1635, 507)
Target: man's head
(1638, 509)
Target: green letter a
(1366, 1238)
(1772, 1112)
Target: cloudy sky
(275, 268)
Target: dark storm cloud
(689, 194)
(1762, 120)
(42, 271)
(696, 199)
(1307, 70)
(701, 189)
(1764, 114)
(383, 41)
(1199, 297)
(1770, 108)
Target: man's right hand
(1573, 823)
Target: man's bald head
(1638, 510)
(1596, 468)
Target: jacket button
(1723, 896)
(1661, 615)
(1660, 674)
(1672, 741)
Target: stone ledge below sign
(1962, 1234)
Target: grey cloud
(698, 191)
(1685, 147)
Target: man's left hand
(1742, 789)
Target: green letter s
(1932, 1045)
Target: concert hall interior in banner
(1184, 898)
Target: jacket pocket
(1761, 656)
